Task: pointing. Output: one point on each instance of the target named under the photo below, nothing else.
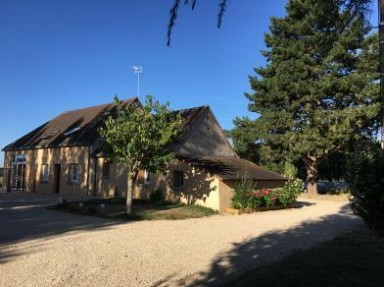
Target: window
(178, 178)
(18, 158)
(44, 175)
(74, 172)
(106, 169)
(71, 131)
(147, 177)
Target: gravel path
(48, 248)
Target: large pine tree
(318, 92)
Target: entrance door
(18, 177)
(18, 172)
(56, 178)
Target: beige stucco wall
(199, 187)
(113, 186)
(226, 194)
(65, 156)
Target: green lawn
(356, 259)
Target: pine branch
(193, 4)
(222, 8)
(356, 7)
(172, 19)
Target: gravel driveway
(48, 248)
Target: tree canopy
(319, 91)
(139, 137)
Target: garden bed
(114, 208)
(258, 209)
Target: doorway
(18, 173)
(56, 177)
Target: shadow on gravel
(20, 222)
(269, 247)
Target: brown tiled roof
(232, 168)
(79, 127)
(72, 128)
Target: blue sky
(57, 56)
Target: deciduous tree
(139, 137)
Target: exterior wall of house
(113, 184)
(205, 137)
(198, 187)
(58, 163)
(226, 194)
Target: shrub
(290, 192)
(156, 196)
(365, 177)
(73, 207)
(244, 194)
(247, 197)
(91, 210)
(268, 197)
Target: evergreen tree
(318, 92)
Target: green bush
(290, 192)
(91, 209)
(266, 197)
(244, 194)
(365, 177)
(156, 196)
(247, 197)
(73, 207)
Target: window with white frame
(74, 173)
(147, 177)
(19, 158)
(44, 175)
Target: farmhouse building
(62, 156)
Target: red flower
(257, 195)
(265, 191)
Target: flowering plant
(265, 197)
(246, 196)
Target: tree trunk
(312, 173)
(381, 51)
(131, 181)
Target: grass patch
(355, 259)
(114, 208)
(172, 211)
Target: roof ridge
(99, 106)
(194, 108)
